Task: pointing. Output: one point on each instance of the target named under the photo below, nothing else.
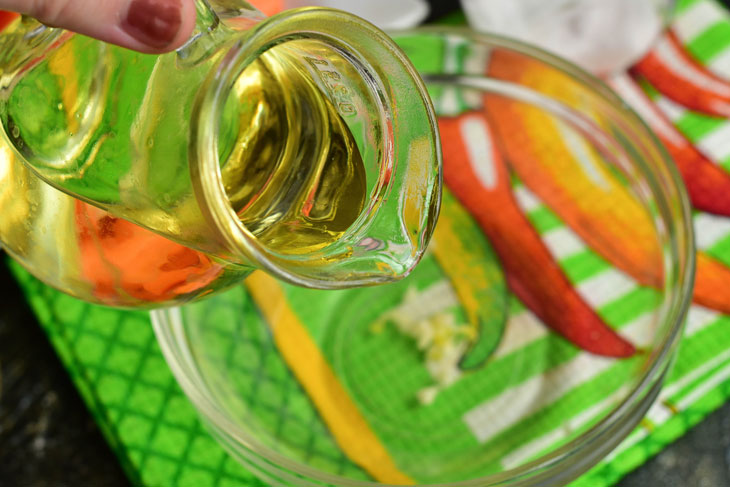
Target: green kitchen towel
(115, 362)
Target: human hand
(151, 26)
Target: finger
(152, 26)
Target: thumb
(151, 26)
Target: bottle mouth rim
(400, 81)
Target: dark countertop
(49, 439)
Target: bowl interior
(529, 339)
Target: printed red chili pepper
(479, 178)
(676, 74)
(708, 184)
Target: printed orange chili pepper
(119, 257)
(604, 215)
(707, 184)
(475, 172)
(712, 280)
(269, 7)
(557, 164)
(677, 75)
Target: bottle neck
(216, 23)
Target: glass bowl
(527, 344)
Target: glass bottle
(303, 144)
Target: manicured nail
(153, 22)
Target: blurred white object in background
(386, 14)
(602, 36)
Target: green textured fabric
(114, 361)
(116, 364)
(268, 393)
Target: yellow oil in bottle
(293, 172)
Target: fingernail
(153, 22)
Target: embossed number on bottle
(333, 80)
